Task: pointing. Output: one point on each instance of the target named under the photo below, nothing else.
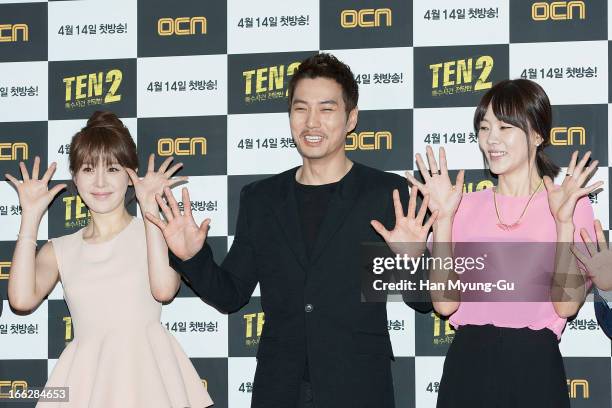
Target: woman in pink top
(505, 353)
(115, 275)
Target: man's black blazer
(312, 307)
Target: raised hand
(154, 182)
(598, 261)
(183, 236)
(409, 234)
(562, 201)
(444, 197)
(34, 194)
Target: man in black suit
(299, 234)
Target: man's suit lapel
(340, 204)
(289, 218)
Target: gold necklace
(514, 225)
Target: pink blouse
(476, 221)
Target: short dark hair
(104, 138)
(327, 66)
(524, 104)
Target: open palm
(598, 257)
(562, 201)
(154, 182)
(444, 197)
(409, 234)
(183, 236)
(34, 194)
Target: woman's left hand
(154, 182)
(562, 201)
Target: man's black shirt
(312, 203)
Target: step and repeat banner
(206, 82)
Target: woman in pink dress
(115, 276)
(505, 353)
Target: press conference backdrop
(206, 81)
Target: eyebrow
(326, 102)
(114, 163)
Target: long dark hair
(524, 104)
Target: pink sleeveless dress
(121, 356)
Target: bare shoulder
(46, 254)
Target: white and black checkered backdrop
(206, 81)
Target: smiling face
(505, 145)
(102, 187)
(318, 119)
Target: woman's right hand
(444, 197)
(596, 260)
(34, 194)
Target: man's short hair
(327, 66)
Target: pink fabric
(121, 355)
(476, 221)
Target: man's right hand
(183, 236)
